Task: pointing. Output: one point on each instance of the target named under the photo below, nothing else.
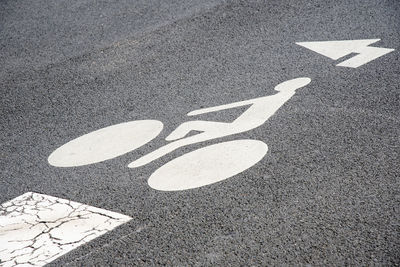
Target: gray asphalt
(327, 193)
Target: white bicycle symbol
(198, 168)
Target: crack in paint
(35, 229)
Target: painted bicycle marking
(194, 169)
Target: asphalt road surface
(327, 191)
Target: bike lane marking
(258, 112)
(338, 49)
(199, 168)
(27, 235)
(35, 229)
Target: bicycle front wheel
(208, 165)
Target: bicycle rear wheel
(105, 143)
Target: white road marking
(208, 165)
(106, 143)
(338, 49)
(36, 229)
(198, 168)
(259, 111)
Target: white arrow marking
(338, 49)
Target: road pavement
(326, 192)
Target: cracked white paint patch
(36, 229)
